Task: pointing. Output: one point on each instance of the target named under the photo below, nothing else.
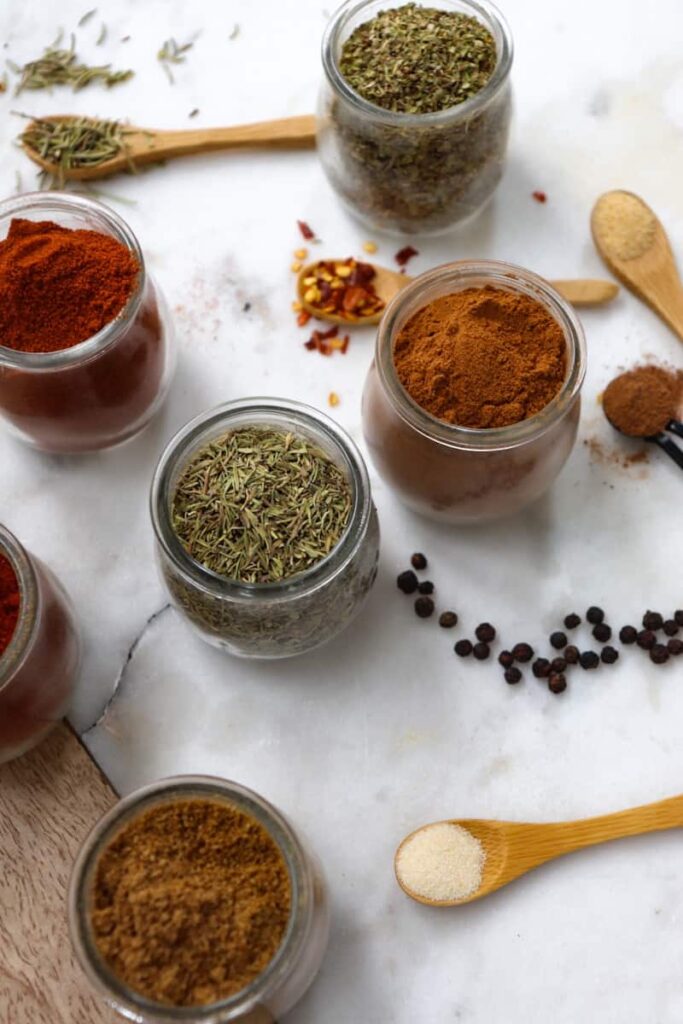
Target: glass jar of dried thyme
(415, 110)
(267, 536)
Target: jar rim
(166, 790)
(220, 418)
(17, 650)
(67, 202)
(484, 10)
(506, 277)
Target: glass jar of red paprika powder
(40, 652)
(105, 389)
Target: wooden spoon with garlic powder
(634, 245)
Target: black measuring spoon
(662, 439)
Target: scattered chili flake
(296, 267)
(405, 254)
(539, 196)
(300, 254)
(343, 288)
(370, 247)
(305, 230)
(327, 342)
(296, 306)
(333, 399)
(303, 318)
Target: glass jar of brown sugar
(460, 474)
(39, 665)
(67, 397)
(150, 815)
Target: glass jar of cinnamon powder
(85, 357)
(40, 649)
(464, 474)
(184, 851)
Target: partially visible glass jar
(269, 620)
(294, 966)
(105, 390)
(39, 667)
(413, 173)
(460, 474)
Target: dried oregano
(260, 505)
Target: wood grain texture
(49, 801)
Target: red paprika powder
(10, 600)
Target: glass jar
(106, 389)
(39, 667)
(269, 620)
(413, 172)
(294, 966)
(459, 474)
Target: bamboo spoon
(634, 245)
(513, 848)
(387, 283)
(144, 146)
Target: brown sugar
(482, 357)
(191, 901)
(641, 402)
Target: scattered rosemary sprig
(171, 53)
(102, 36)
(59, 66)
(86, 17)
(260, 505)
(75, 142)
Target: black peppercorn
(571, 655)
(628, 634)
(659, 654)
(506, 659)
(418, 561)
(609, 655)
(602, 632)
(426, 587)
(557, 683)
(675, 646)
(407, 582)
(595, 615)
(652, 620)
(424, 607)
(541, 668)
(572, 621)
(463, 648)
(448, 620)
(670, 627)
(678, 617)
(522, 652)
(512, 675)
(558, 665)
(485, 632)
(558, 640)
(646, 639)
(481, 651)
(589, 659)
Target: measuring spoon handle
(671, 449)
(676, 427)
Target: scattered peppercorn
(485, 632)
(572, 621)
(571, 655)
(646, 639)
(675, 646)
(628, 634)
(609, 655)
(424, 607)
(659, 654)
(512, 675)
(558, 665)
(463, 648)
(481, 651)
(652, 620)
(558, 640)
(522, 652)
(426, 587)
(407, 582)
(541, 668)
(670, 627)
(589, 659)
(602, 632)
(595, 615)
(448, 619)
(678, 617)
(506, 659)
(557, 683)
(418, 561)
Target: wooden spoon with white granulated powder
(452, 862)
(634, 245)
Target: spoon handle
(285, 133)
(573, 835)
(676, 427)
(671, 449)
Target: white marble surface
(384, 729)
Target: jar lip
(505, 276)
(17, 650)
(272, 409)
(485, 12)
(126, 809)
(67, 202)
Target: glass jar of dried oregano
(194, 900)
(415, 109)
(267, 535)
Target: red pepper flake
(303, 318)
(405, 254)
(305, 230)
(539, 196)
(327, 342)
(343, 288)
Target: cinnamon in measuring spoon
(641, 402)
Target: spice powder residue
(441, 862)
(191, 901)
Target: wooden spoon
(144, 146)
(634, 245)
(387, 283)
(513, 848)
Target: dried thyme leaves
(59, 66)
(75, 142)
(259, 505)
(417, 60)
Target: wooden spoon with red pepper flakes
(352, 292)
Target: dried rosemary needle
(59, 66)
(75, 142)
(260, 505)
